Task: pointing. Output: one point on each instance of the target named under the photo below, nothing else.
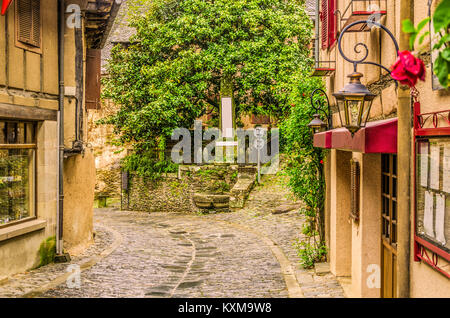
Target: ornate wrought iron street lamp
(355, 100)
(320, 107)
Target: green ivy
(305, 168)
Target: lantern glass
(317, 125)
(354, 102)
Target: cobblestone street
(237, 254)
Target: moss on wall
(47, 251)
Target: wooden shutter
(328, 19)
(324, 20)
(331, 22)
(354, 185)
(93, 76)
(28, 22)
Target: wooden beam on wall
(16, 112)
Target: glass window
(433, 191)
(17, 170)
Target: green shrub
(310, 253)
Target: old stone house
(49, 75)
(387, 221)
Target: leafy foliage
(305, 168)
(304, 159)
(441, 24)
(183, 50)
(309, 254)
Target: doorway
(389, 225)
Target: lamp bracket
(320, 107)
(359, 45)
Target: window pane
(11, 133)
(16, 184)
(20, 133)
(29, 133)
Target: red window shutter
(331, 23)
(93, 75)
(324, 20)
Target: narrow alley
(247, 253)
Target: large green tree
(171, 72)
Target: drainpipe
(60, 201)
(404, 172)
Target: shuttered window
(331, 23)
(28, 22)
(328, 20)
(324, 20)
(93, 76)
(355, 189)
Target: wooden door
(389, 226)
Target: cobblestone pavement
(284, 229)
(24, 283)
(174, 255)
(169, 255)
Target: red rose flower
(321, 162)
(408, 69)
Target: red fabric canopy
(377, 137)
(5, 5)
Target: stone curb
(293, 286)
(118, 239)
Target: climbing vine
(305, 168)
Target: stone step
(240, 191)
(211, 201)
(321, 268)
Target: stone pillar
(340, 227)
(366, 234)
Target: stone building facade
(381, 252)
(42, 41)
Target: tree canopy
(171, 71)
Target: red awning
(377, 137)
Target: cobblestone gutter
(34, 282)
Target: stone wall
(175, 192)
(108, 183)
(107, 155)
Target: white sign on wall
(227, 117)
